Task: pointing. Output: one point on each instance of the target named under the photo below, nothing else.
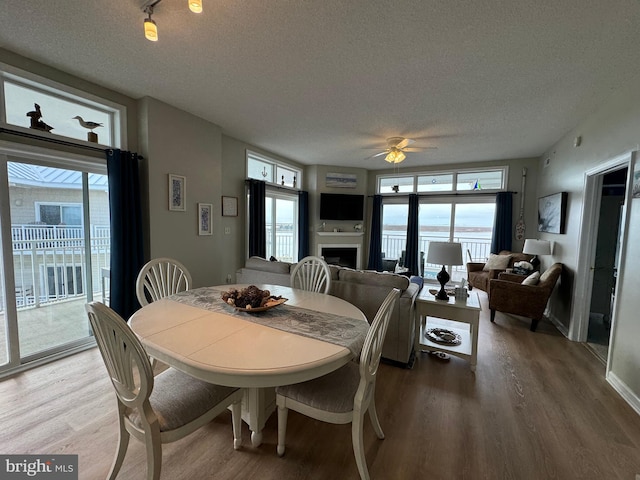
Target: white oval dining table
(226, 349)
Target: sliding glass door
(57, 234)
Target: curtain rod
(435, 194)
(50, 140)
(273, 185)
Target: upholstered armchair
(525, 296)
(480, 273)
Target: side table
(461, 317)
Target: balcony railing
(50, 261)
(392, 245)
(477, 247)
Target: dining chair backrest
(160, 278)
(311, 274)
(344, 395)
(180, 404)
(124, 356)
(372, 348)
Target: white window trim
(455, 173)
(21, 77)
(274, 163)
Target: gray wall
(173, 141)
(607, 133)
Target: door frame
(593, 179)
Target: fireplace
(345, 256)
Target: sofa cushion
(259, 263)
(384, 279)
(532, 279)
(497, 262)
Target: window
(282, 226)
(465, 217)
(281, 204)
(46, 108)
(461, 181)
(57, 256)
(272, 171)
(56, 214)
(466, 221)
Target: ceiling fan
(398, 147)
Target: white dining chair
(160, 409)
(160, 278)
(345, 395)
(311, 274)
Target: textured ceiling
(320, 81)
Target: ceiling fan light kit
(395, 156)
(397, 148)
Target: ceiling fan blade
(405, 142)
(418, 149)
(378, 154)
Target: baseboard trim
(625, 392)
(559, 325)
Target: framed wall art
(552, 211)
(177, 192)
(635, 189)
(229, 206)
(204, 219)
(341, 180)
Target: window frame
(275, 165)
(455, 173)
(116, 112)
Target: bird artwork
(89, 125)
(36, 122)
(91, 135)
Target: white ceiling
(319, 81)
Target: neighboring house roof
(24, 174)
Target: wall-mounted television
(340, 206)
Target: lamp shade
(537, 247)
(445, 253)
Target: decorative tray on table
(251, 299)
(443, 336)
(271, 303)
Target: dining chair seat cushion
(178, 398)
(333, 392)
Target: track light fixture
(195, 6)
(150, 26)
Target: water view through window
(468, 223)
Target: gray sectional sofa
(364, 289)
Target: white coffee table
(460, 316)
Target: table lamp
(444, 253)
(535, 248)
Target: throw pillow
(532, 279)
(497, 262)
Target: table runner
(328, 327)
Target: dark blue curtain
(303, 224)
(257, 223)
(127, 255)
(411, 260)
(502, 228)
(375, 242)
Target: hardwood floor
(538, 407)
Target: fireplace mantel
(341, 234)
